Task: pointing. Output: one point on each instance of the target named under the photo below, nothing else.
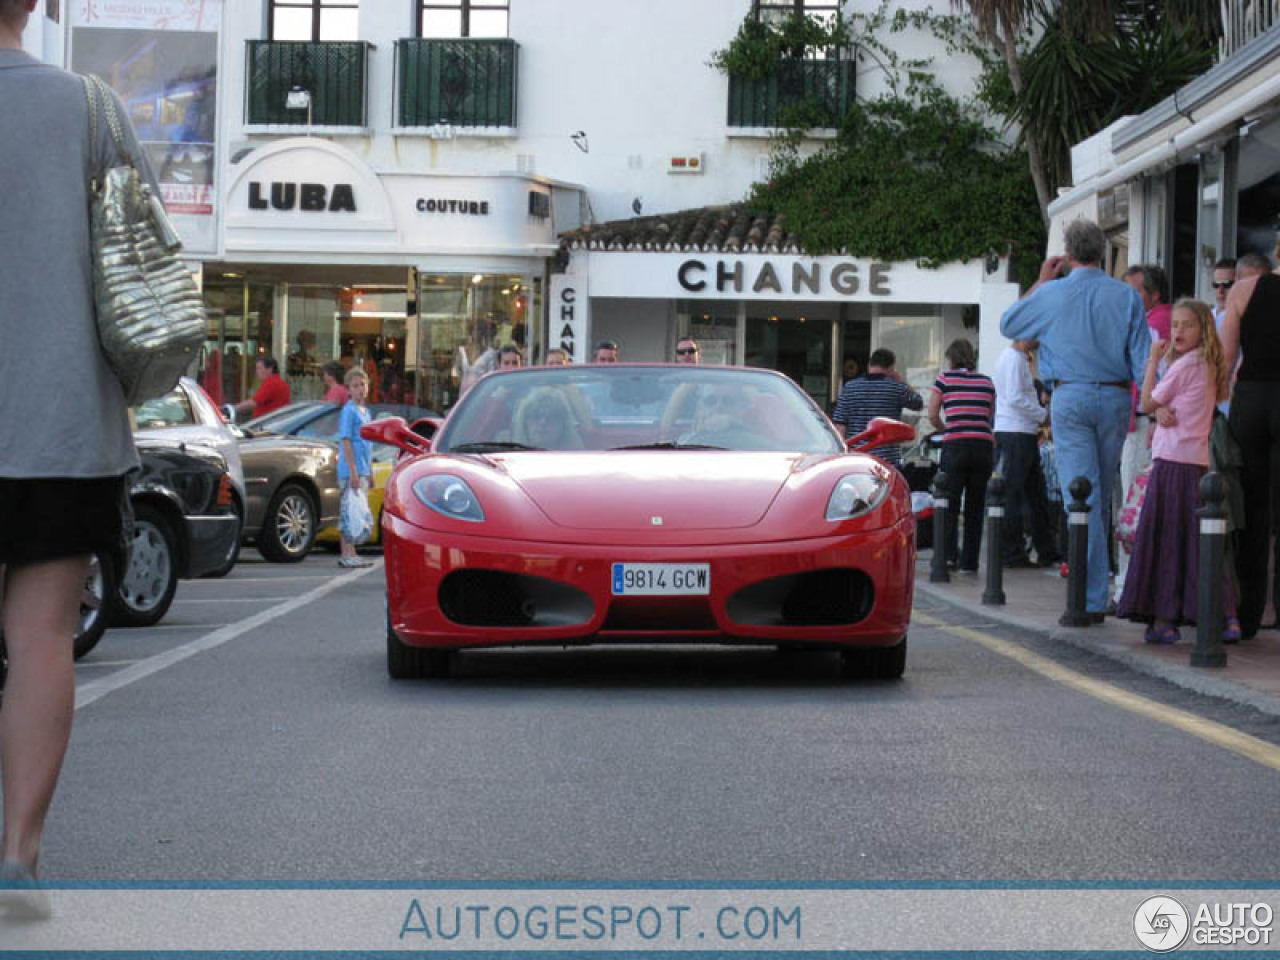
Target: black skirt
(50, 518)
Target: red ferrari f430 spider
(644, 503)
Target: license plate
(661, 579)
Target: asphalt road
(255, 735)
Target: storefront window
(360, 326)
(463, 319)
(1210, 223)
(714, 324)
(795, 343)
(241, 326)
(914, 333)
(1258, 179)
(1155, 224)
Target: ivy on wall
(914, 174)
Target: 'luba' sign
(314, 197)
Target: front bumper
(418, 562)
(209, 542)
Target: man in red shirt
(273, 392)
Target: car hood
(631, 490)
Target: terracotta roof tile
(733, 227)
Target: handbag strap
(96, 90)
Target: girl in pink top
(1162, 585)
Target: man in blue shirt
(1094, 343)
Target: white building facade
(387, 183)
(1196, 178)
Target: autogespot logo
(1161, 924)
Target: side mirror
(882, 432)
(394, 431)
(427, 427)
(228, 412)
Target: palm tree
(1001, 23)
(1110, 39)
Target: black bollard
(1210, 622)
(938, 568)
(1077, 614)
(994, 594)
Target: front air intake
(495, 598)
(839, 596)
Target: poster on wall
(161, 57)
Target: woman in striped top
(963, 404)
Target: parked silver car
(186, 415)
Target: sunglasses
(686, 351)
(1222, 284)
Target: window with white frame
(448, 19)
(825, 12)
(314, 20)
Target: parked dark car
(185, 524)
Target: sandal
(1164, 636)
(1232, 632)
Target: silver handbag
(151, 318)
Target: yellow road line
(1259, 751)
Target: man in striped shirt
(880, 392)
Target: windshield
(635, 407)
(286, 419)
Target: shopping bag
(1134, 498)
(356, 519)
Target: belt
(1118, 384)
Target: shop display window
(1258, 185)
(463, 320)
(914, 333)
(241, 328)
(714, 324)
(796, 340)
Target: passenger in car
(544, 420)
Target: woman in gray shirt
(65, 443)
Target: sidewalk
(1034, 599)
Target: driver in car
(721, 422)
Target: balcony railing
(790, 91)
(334, 74)
(462, 83)
(1242, 20)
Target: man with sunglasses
(1224, 275)
(721, 421)
(687, 351)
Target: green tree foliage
(1076, 83)
(915, 174)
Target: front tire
(150, 580)
(875, 663)
(415, 663)
(289, 528)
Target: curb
(1188, 678)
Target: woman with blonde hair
(544, 420)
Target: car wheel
(289, 529)
(233, 554)
(875, 663)
(415, 663)
(95, 604)
(146, 590)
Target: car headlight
(856, 494)
(449, 495)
